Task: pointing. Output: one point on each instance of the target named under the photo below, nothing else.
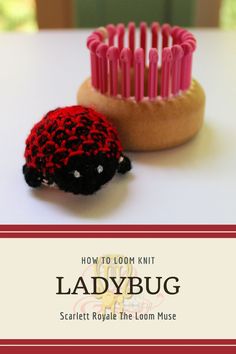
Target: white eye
(76, 174)
(100, 169)
(121, 159)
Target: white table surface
(194, 183)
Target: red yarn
(66, 132)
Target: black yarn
(32, 177)
(124, 166)
(90, 179)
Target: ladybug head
(82, 175)
(74, 148)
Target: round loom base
(149, 125)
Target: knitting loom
(147, 92)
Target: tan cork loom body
(150, 125)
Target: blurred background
(33, 15)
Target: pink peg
(179, 34)
(177, 54)
(102, 65)
(185, 36)
(193, 43)
(165, 30)
(165, 72)
(111, 29)
(152, 73)
(121, 34)
(186, 66)
(139, 73)
(94, 63)
(143, 38)
(113, 57)
(131, 29)
(99, 34)
(155, 29)
(174, 33)
(92, 38)
(125, 60)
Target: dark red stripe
(211, 228)
(117, 231)
(117, 235)
(118, 350)
(117, 341)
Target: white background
(195, 183)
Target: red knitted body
(75, 149)
(66, 132)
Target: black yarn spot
(112, 146)
(49, 148)
(80, 130)
(101, 127)
(40, 130)
(89, 147)
(125, 165)
(32, 177)
(59, 136)
(69, 124)
(86, 121)
(42, 139)
(53, 127)
(34, 150)
(73, 143)
(40, 162)
(32, 139)
(98, 137)
(59, 156)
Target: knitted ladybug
(74, 148)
